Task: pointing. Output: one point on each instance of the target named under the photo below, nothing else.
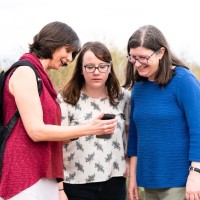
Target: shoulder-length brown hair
(71, 91)
(52, 36)
(152, 38)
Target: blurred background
(109, 21)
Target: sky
(109, 21)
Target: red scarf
(45, 79)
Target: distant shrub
(60, 77)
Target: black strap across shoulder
(5, 130)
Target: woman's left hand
(193, 186)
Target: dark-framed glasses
(90, 68)
(142, 60)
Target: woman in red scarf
(32, 164)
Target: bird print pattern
(91, 159)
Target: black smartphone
(106, 117)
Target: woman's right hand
(133, 191)
(99, 126)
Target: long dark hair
(52, 36)
(152, 38)
(71, 91)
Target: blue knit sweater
(165, 130)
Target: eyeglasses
(90, 68)
(142, 60)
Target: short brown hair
(53, 36)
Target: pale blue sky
(109, 21)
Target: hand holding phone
(106, 116)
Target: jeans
(113, 189)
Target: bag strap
(27, 63)
(8, 128)
(5, 74)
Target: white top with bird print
(90, 159)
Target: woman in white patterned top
(95, 167)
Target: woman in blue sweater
(164, 134)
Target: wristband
(60, 189)
(194, 169)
